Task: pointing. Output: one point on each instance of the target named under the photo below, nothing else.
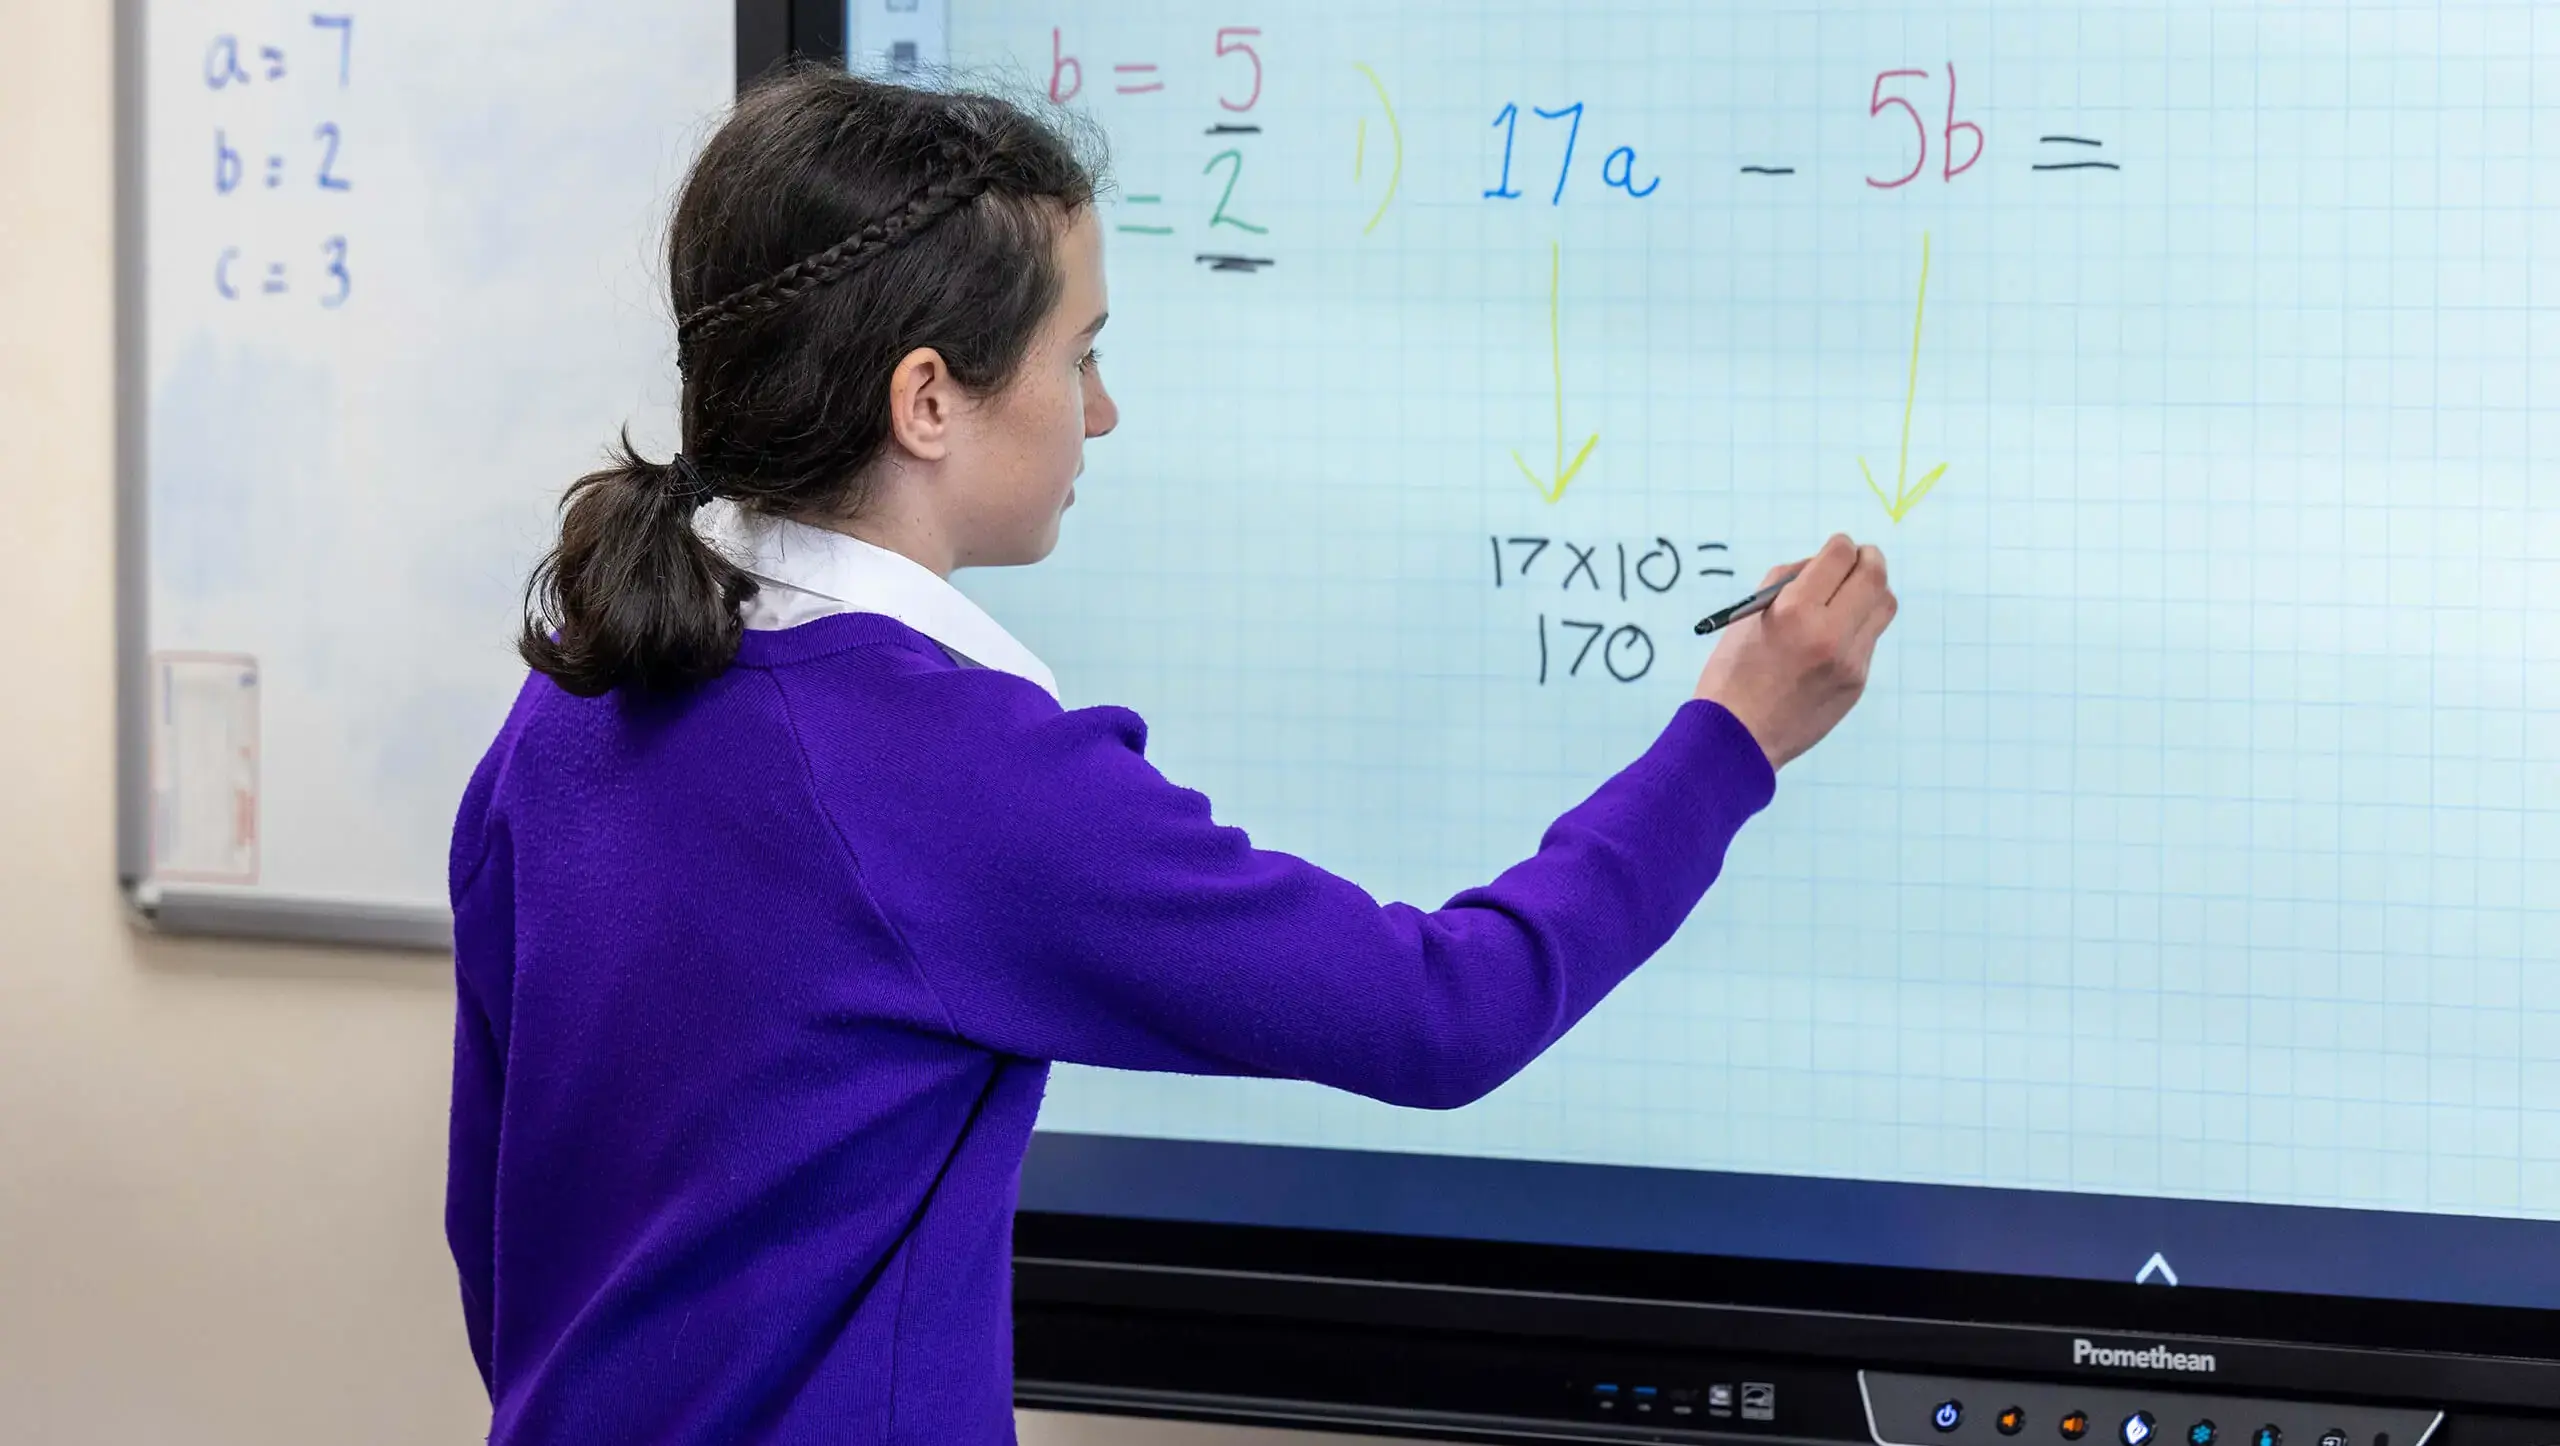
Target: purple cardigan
(758, 983)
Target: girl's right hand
(1791, 672)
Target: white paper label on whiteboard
(204, 767)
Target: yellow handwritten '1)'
(1899, 505)
(1555, 359)
(1360, 159)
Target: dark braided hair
(937, 200)
(797, 288)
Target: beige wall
(221, 1166)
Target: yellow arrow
(1905, 498)
(1564, 474)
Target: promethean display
(2183, 890)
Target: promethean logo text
(2149, 1358)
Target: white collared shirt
(805, 573)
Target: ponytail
(631, 594)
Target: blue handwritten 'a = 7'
(222, 68)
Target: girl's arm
(1066, 902)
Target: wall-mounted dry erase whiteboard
(391, 276)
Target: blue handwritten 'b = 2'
(230, 167)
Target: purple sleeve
(1071, 904)
(471, 1184)
(483, 948)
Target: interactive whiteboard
(2200, 835)
(390, 280)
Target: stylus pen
(1757, 602)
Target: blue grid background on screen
(2200, 835)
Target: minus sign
(1768, 170)
(1234, 130)
(2067, 141)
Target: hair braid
(926, 207)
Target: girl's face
(1024, 446)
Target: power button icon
(1948, 1416)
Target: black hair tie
(691, 488)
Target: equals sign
(1220, 262)
(2081, 165)
(1142, 228)
(275, 279)
(1768, 170)
(1130, 88)
(275, 172)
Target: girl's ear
(924, 402)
